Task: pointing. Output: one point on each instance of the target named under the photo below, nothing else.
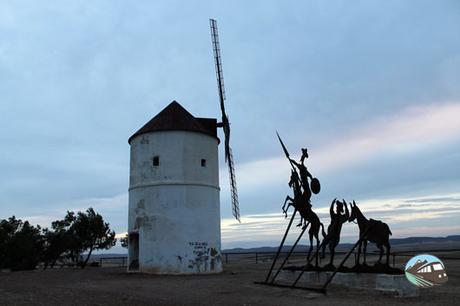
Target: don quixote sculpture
(301, 203)
(303, 186)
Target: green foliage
(21, 244)
(76, 234)
(92, 233)
(7, 230)
(61, 241)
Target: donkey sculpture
(302, 204)
(371, 230)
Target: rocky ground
(113, 286)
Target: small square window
(203, 162)
(156, 160)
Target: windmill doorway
(133, 245)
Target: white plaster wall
(175, 206)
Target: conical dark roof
(176, 118)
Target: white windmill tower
(174, 207)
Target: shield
(315, 185)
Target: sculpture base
(377, 268)
(396, 283)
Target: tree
(92, 233)
(60, 241)
(21, 244)
(7, 230)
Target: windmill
(225, 124)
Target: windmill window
(203, 162)
(156, 161)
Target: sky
(369, 87)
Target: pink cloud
(406, 132)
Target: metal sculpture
(371, 230)
(301, 204)
(303, 186)
(338, 218)
(314, 185)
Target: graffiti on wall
(205, 258)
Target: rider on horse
(304, 174)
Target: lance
(286, 151)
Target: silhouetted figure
(338, 218)
(304, 174)
(302, 204)
(371, 230)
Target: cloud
(406, 132)
(405, 216)
(113, 209)
(121, 235)
(78, 79)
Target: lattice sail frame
(225, 122)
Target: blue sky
(422, 257)
(370, 87)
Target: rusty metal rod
(304, 268)
(341, 264)
(361, 238)
(289, 254)
(281, 246)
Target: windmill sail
(225, 122)
(233, 189)
(218, 62)
(220, 84)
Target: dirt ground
(235, 286)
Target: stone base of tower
(174, 229)
(201, 260)
(197, 257)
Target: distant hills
(397, 244)
(448, 239)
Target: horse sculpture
(298, 200)
(301, 203)
(338, 218)
(371, 230)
